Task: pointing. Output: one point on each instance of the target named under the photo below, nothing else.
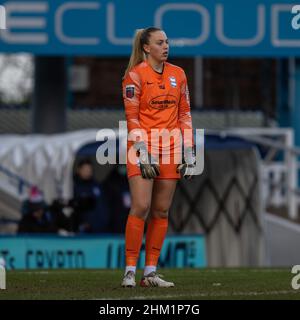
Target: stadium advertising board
(2, 18)
(54, 252)
(106, 27)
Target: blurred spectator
(35, 215)
(91, 212)
(35, 199)
(63, 214)
(118, 196)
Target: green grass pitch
(192, 284)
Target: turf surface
(190, 284)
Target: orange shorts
(167, 170)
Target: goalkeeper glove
(187, 168)
(149, 170)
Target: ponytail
(138, 55)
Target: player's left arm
(186, 127)
(184, 113)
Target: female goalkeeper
(157, 107)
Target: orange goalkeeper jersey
(157, 100)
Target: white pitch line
(202, 294)
(58, 272)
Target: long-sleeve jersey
(158, 101)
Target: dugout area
(221, 208)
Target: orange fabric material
(133, 239)
(157, 101)
(167, 170)
(156, 233)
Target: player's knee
(140, 209)
(161, 212)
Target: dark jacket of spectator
(91, 211)
(37, 219)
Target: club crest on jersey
(129, 91)
(173, 82)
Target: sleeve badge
(129, 91)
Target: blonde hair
(138, 54)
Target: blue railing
(19, 181)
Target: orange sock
(133, 239)
(156, 233)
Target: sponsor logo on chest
(163, 102)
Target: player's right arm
(132, 86)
